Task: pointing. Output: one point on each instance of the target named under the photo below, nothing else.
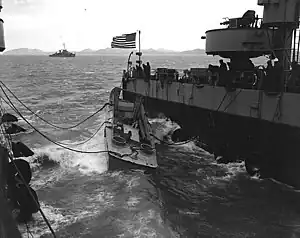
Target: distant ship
(63, 53)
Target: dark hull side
(119, 164)
(270, 146)
(8, 226)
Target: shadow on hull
(265, 145)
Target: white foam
(93, 162)
(85, 162)
(133, 182)
(55, 218)
(162, 127)
(133, 201)
(139, 225)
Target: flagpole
(139, 41)
(139, 53)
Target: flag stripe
(124, 41)
(122, 46)
(116, 45)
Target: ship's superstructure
(239, 110)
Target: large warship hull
(244, 124)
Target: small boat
(127, 133)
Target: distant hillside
(194, 52)
(159, 51)
(85, 52)
(107, 51)
(114, 51)
(25, 51)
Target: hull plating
(271, 146)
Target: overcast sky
(169, 24)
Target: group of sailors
(238, 72)
(231, 72)
(243, 74)
(138, 72)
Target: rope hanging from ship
(232, 100)
(69, 144)
(223, 99)
(210, 115)
(80, 143)
(49, 123)
(49, 139)
(134, 150)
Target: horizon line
(107, 48)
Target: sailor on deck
(293, 82)
(223, 66)
(147, 71)
(222, 73)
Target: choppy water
(188, 196)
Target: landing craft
(128, 135)
(240, 110)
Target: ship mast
(64, 45)
(250, 37)
(281, 17)
(139, 53)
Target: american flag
(125, 41)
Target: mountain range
(107, 51)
